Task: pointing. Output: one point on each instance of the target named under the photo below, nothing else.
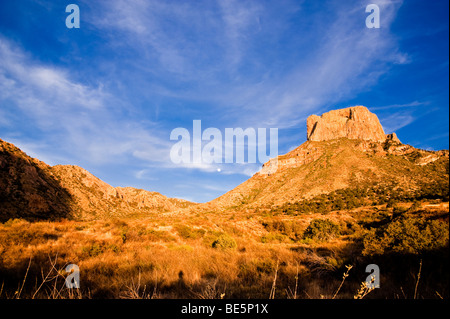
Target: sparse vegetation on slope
(343, 165)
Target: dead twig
(23, 282)
(418, 278)
(343, 279)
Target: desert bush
(350, 228)
(407, 234)
(123, 234)
(187, 232)
(224, 242)
(265, 266)
(279, 229)
(321, 230)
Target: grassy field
(279, 253)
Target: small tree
(321, 230)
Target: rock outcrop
(355, 122)
(393, 137)
(363, 130)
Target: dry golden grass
(173, 257)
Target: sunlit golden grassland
(232, 254)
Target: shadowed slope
(28, 188)
(31, 189)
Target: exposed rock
(355, 122)
(309, 152)
(345, 149)
(392, 137)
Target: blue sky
(107, 95)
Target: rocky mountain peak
(355, 122)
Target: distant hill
(31, 189)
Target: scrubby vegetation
(232, 254)
(371, 195)
(407, 234)
(321, 230)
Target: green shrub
(188, 233)
(412, 235)
(114, 248)
(224, 242)
(321, 230)
(123, 234)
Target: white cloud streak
(208, 51)
(74, 116)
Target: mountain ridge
(326, 162)
(32, 189)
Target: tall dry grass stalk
(51, 279)
(19, 291)
(343, 279)
(296, 283)
(274, 284)
(418, 278)
(293, 294)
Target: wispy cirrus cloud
(33, 79)
(215, 55)
(400, 106)
(76, 117)
(400, 115)
(396, 121)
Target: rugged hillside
(94, 198)
(28, 188)
(326, 164)
(32, 189)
